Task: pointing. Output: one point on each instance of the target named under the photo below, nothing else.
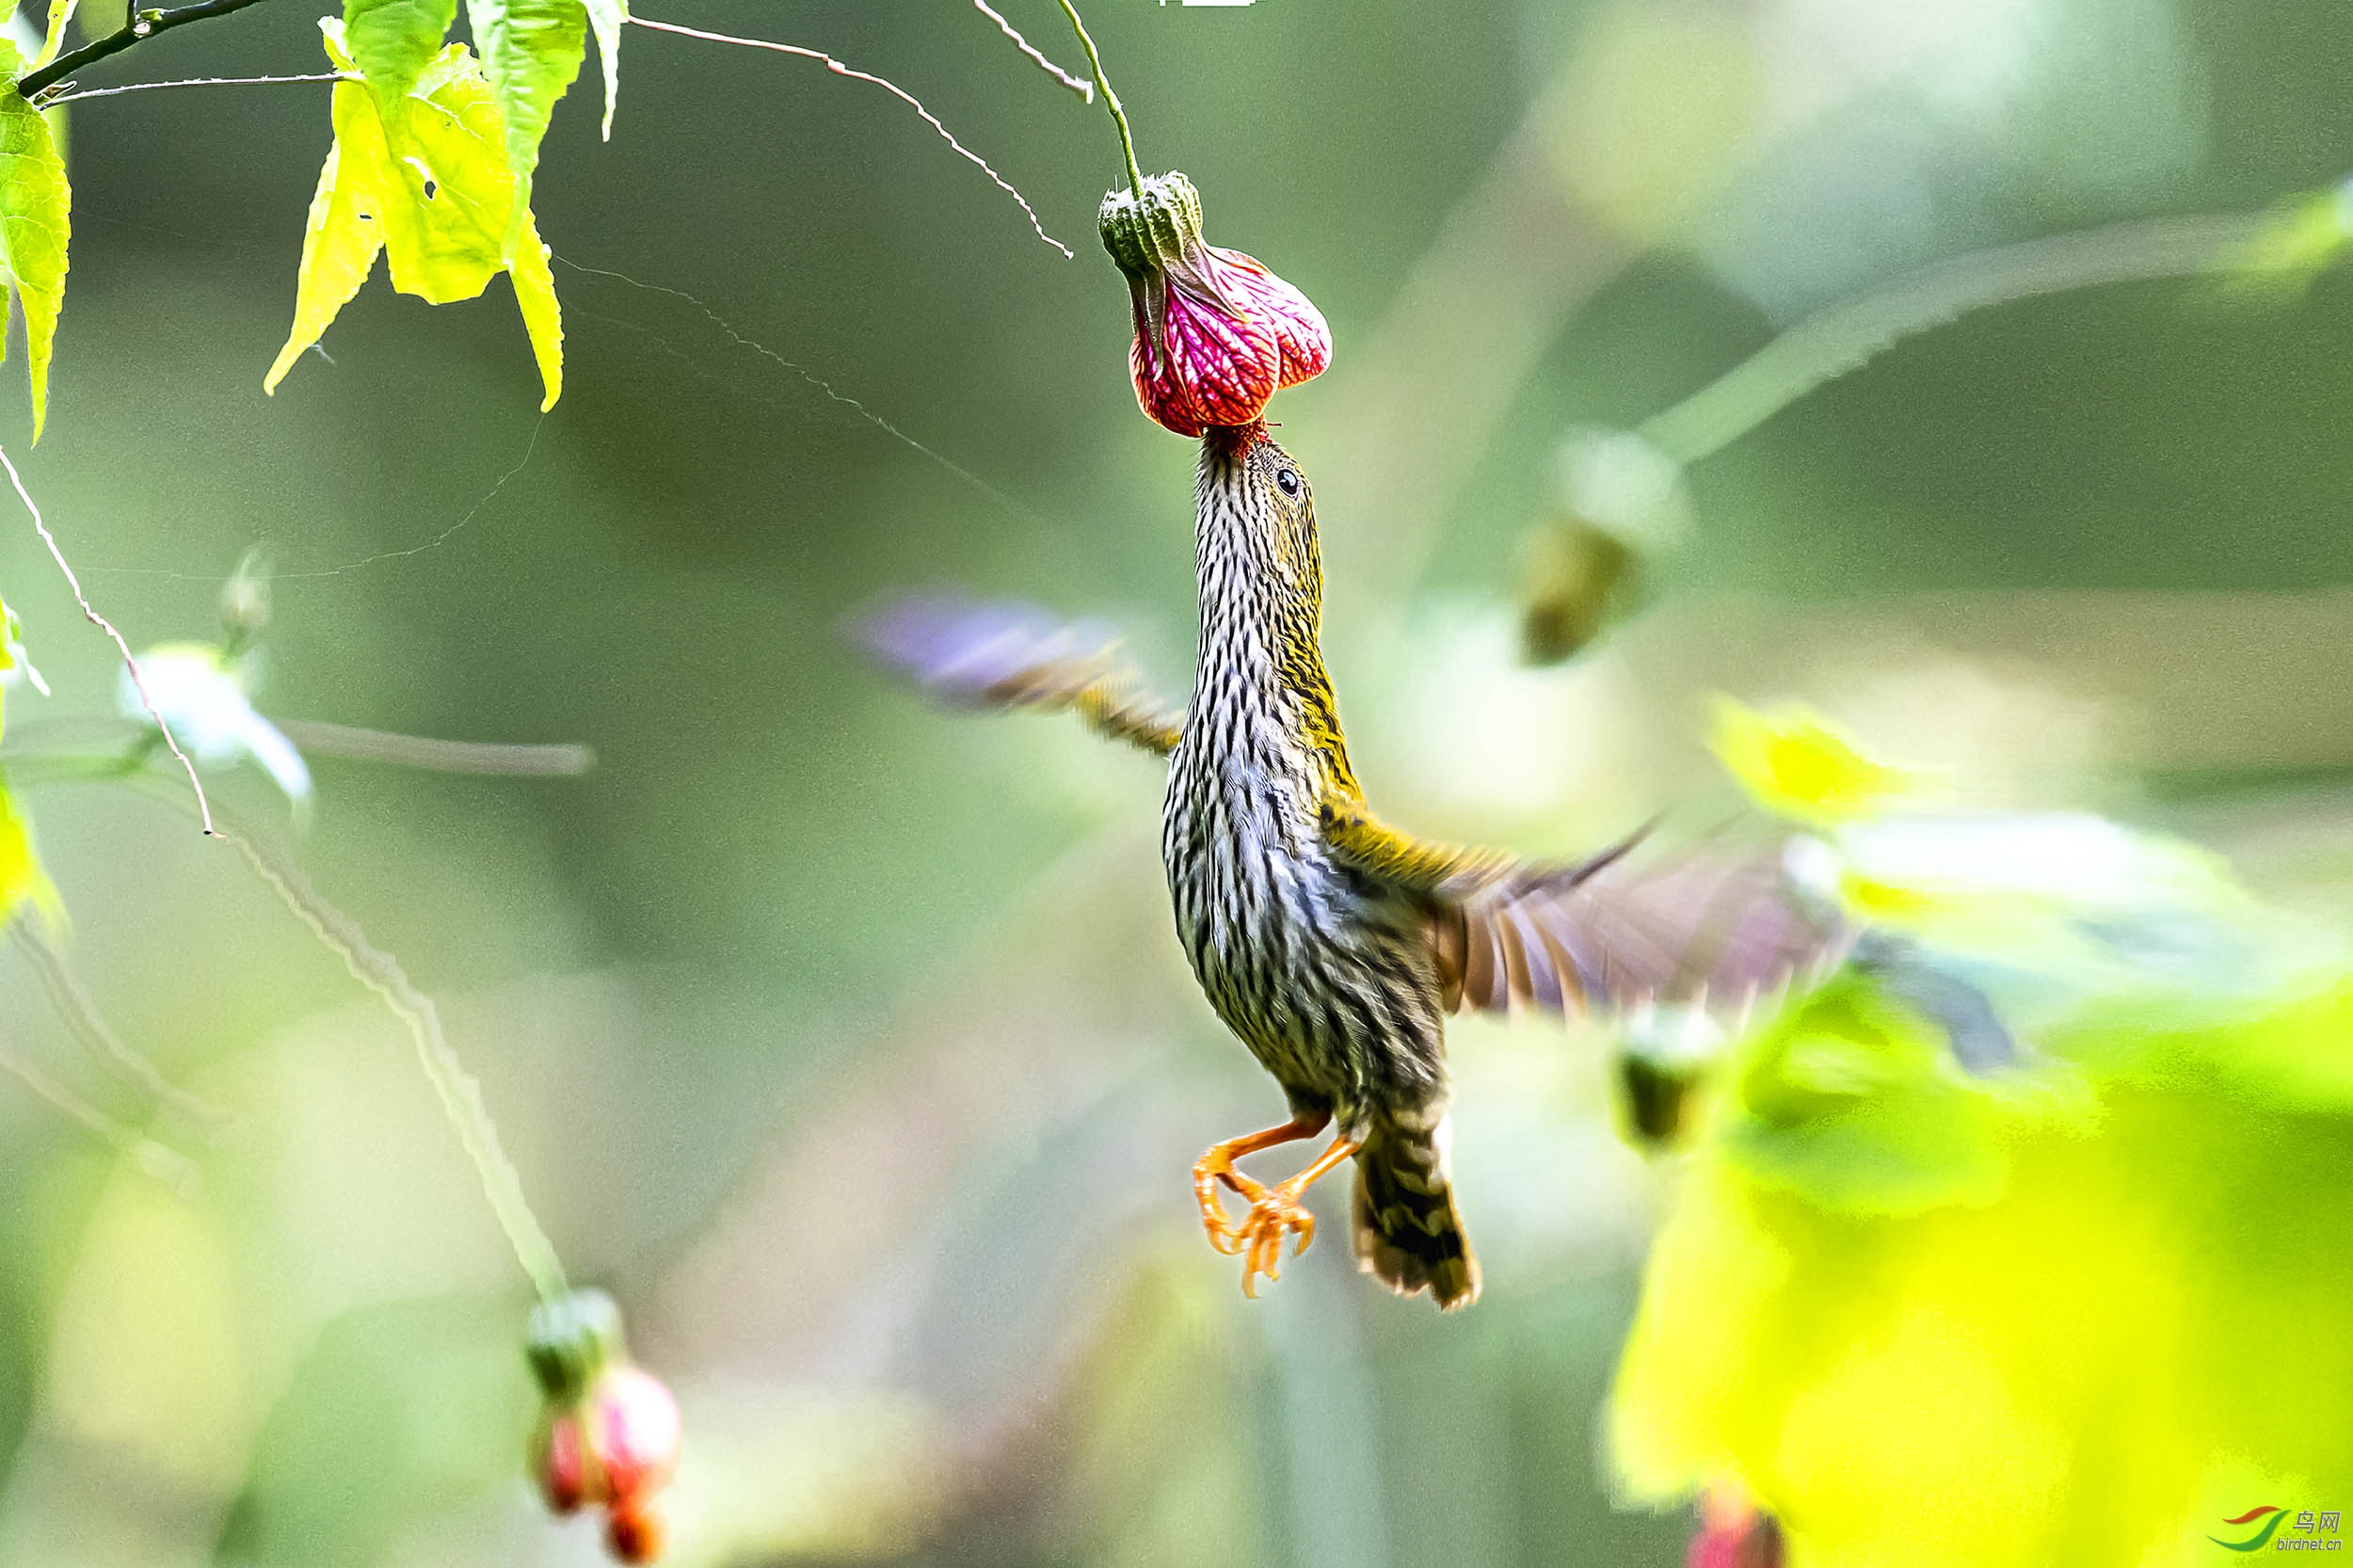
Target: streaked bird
(1331, 943)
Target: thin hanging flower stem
(891, 87)
(460, 1095)
(1111, 99)
(1833, 342)
(1078, 85)
(138, 682)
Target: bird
(1331, 944)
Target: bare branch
(459, 1095)
(891, 87)
(71, 97)
(138, 682)
(1079, 84)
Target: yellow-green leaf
(60, 12)
(345, 232)
(391, 43)
(1794, 761)
(445, 233)
(606, 18)
(532, 52)
(435, 192)
(534, 292)
(35, 201)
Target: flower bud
(635, 1533)
(559, 1461)
(609, 1432)
(1217, 334)
(245, 600)
(633, 1431)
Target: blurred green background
(847, 1042)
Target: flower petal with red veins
(1301, 334)
(1212, 368)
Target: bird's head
(1247, 475)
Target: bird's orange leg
(1218, 1165)
(1275, 1213)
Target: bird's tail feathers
(1408, 1232)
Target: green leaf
(445, 231)
(391, 43)
(60, 12)
(345, 232)
(35, 201)
(607, 17)
(532, 51)
(436, 195)
(534, 292)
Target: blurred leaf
(35, 201)
(22, 879)
(606, 19)
(435, 195)
(392, 41)
(2080, 1322)
(1794, 761)
(2303, 238)
(1854, 1100)
(532, 52)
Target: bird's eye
(1288, 480)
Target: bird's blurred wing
(1714, 928)
(982, 655)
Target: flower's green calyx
(571, 1339)
(1151, 230)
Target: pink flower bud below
(633, 1425)
(560, 1462)
(1217, 334)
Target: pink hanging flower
(1217, 334)
(610, 1433)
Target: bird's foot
(1214, 1167)
(1275, 1215)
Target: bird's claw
(1275, 1213)
(1214, 1167)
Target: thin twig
(1834, 341)
(138, 682)
(58, 98)
(80, 1015)
(169, 1166)
(137, 27)
(1079, 84)
(1119, 114)
(460, 1095)
(416, 751)
(891, 87)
